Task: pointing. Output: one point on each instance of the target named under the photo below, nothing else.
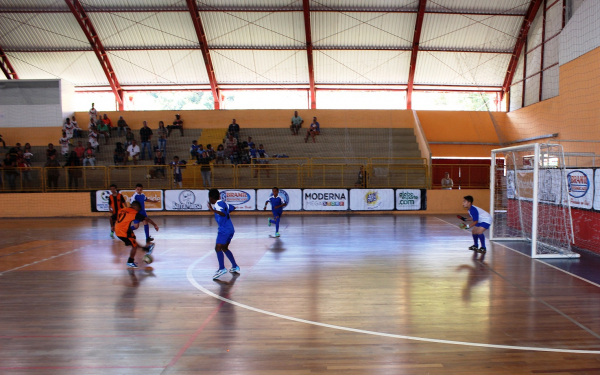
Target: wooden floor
(335, 294)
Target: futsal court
(388, 294)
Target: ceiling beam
(519, 45)
(309, 54)
(415, 51)
(210, 70)
(92, 36)
(7, 67)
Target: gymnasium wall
(79, 204)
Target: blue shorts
(224, 238)
(483, 225)
(277, 213)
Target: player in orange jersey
(125, 226)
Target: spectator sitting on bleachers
(64, 144)
(204, 162)
(25, 169)
(177, 124)
(108, 123)
(121, 126)
(120, 154)
(76, 129)
(211, 152)
(261, 151)
(230, 145)
(129, 137)
(447, 182)
(133, 152)
(99, 122)
(162, 136)
(253, 152)
(50, 151)
(220, 154)
(79, 150)
(318, 125)
(68, 128)
(296, 123)
(89, 157)
(234, 129)
(311, 132)
(194, 150)
(103, 129)
(362, 177)
(250, 143)
(93, 113)
(92, 124)
(159, 159)
(93, 138)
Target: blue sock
(221, 259)
(476, 239)
(277, 225)
(229, 255)
(482, 238)
(147, 230)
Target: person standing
(93, 113)
(73, 170)
(88, 156)
(121, 126)
(116, 202)
(162, 136)
(64, 144)
(277, 205)
(222, 212)
(145, 138)
(177, 172)
(53, 173)
(204, 161)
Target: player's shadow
(477, 273)
(277, 247)
(227, 286)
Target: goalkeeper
(481, 221)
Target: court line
(42, 260)
(78, 367)
(193, 281)
(535, 259)
(33, 248)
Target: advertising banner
(240, 199)
(154, 200)
(597, 190)
(325, 199)
(550, 186)
(581, 188)
(408, 199)
(293, 198)
(371, 199)
(102, 200)
(186, 200)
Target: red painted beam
(210, 70)
(7, 67)
(309, 54)
(519, 45)
(92, 36)
(415, 51)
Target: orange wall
(574, 114)
(79, 204)
(265, 118)
(34, 136)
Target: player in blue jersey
(277, 205)
(481, 221)
(140, 197)
(222, 212)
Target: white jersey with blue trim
(479, 215)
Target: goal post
(529, 199)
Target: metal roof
(361, 67)
(263, 42)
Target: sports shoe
(150, 248)
(219, 273)
(269, 221)
(474, 248)
(277, 234)
(482, 250)
(112, 234)
(235, 270)
(149, 239)
(132, 265)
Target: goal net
(529, 199)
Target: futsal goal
(530, 199)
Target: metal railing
(221, 176)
